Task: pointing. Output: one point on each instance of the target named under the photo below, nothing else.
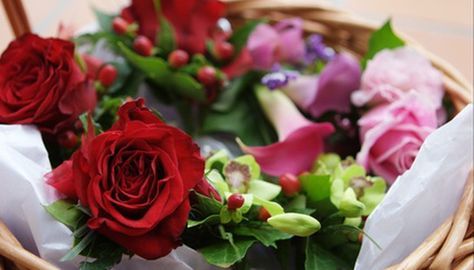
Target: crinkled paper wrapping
(423, 197)
(23, 193)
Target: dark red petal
(62, 179)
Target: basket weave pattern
(451, 242)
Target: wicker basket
(451, 245)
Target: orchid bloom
(330, 90)
(300, 140)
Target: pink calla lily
(300, 140)
(329, 91)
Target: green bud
(295, 224)
(350, 206)
(225, 215)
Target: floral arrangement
(314, 135)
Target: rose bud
(290, 184)
(143, 46)
(120, 25)
(263, 214)
(107, 75)
(295, 224)
(235, 201)
(178, 58)
(224, 50)
(68, 139)
(207, 75)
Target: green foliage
(165, 37)
(266, 234)
(156, 69)
(65, 212)
(237, 111)
(384, 38)
(225, 254)
(317, 258)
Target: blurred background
(444, 27)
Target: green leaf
(243, 116)
(65, 212)
(318, 258)
(263, 232)
(157, 70)
(223, 254)
(317, 187)
(79, 247)
(264, 189)
(210, 220)
(241, 35)
(108, 255)
(165, 37)
(104, 20)
(207, 206)
(384, 38)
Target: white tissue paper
(23, 193)
(423, 197)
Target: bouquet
(170, 126)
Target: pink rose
(393, 73)
(392, 134)
(284, 42)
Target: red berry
(142, 45)
(224, 50)
(68, 139)
(107, 75)
(235, 201)
(119, 25)
(290, 184)
(78, 127)
(263, 214)
(207, 75)
(178, 58)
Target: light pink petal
(292, 47)
(302, 90)
(280, 111)
(295, 154)
(262, 46)
(336, 83)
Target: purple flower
(317, 50)
(329, 91)
(282, 42)
(279, 79)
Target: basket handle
(17, 16)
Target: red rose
(192, 20)
(41, 84)
(135, 179)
